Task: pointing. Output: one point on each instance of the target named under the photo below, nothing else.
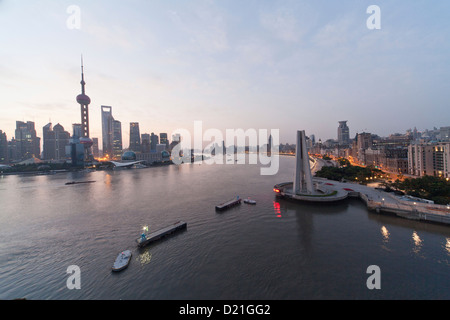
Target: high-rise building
(55, 141)
(3, 147)
(364, 140)
(176, 139)
(61, 141)
(27, 143)
(444, 133)
(117, 139)
(95, 150)
(343, 133)
(154, 140)
(429, 159)
(107, 131)
(12, 150)
(145, 143)
(163, 139)
(49, 143)
(77, 130)
(135, 137)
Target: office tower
(117, 139)
(163, 139)
(84, 102)
(49, 143)
(107, 131)
(364, 140)
(77, 130)
(176, 138)
(27, 143)
(343, 133)
(12, 150)
(154, 140)
(3, 147)
(135, 137)
(95, 150)
(61, 141)
(55, 141)
(145, 143)
(444, 133)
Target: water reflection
(385, 233)
(418, 243)
(277, 209)
(108, 179)
(144, 257)
(447, 245)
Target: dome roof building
(129, 156)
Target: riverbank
(376, 200)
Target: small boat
(122, 260)
(249, 201)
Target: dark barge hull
(228, 204)
(157, 235)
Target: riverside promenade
(375, 199)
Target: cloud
(204, 26)
(289, 21)
(282, 24)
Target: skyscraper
(55, 141)
(95, 151)
(27, 143)
(77, 129)
(343, 133)
(3, 147)
(61, 141)
(117, 139)
(163, 139)
(145, 143)
(48, 136)
(135, 137)
(107, 131)
(154, 140)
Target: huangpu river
(274, 250)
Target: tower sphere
(83, 99)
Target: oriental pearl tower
(84, 102)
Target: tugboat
(122, 260)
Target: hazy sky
(259, 64)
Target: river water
(273, 250)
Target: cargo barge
(146, 239)
(228, 204)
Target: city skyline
(259, 64)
